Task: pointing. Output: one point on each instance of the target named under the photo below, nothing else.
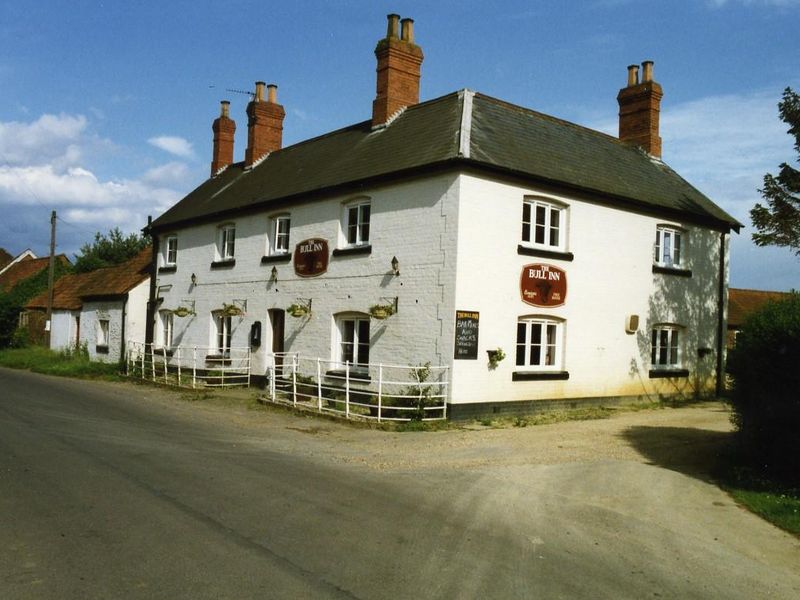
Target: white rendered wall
(90, 314)
(62, 329)
(136, 312)
(414, 221)
(609, 279)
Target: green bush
(765, 366)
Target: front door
(277, 317)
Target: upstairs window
(666, 347)
(544, 224)
(279, 234)
(226, 241)
(669, 247)
(539, 343)
(171, 251)
(356, 223)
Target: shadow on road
(691, 451)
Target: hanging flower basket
(231, 310)
(297, 310)
(495, 356)
(182, 311)
(381, 311)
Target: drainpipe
(151, 302)
(721, 316)
(122, 340)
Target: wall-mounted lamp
(194, 279)
(273, 277)
(395, 266)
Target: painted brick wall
(414, 222)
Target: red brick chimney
(264, 124)
(224, 127)
(639, 108)
(399, 60)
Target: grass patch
(64, 363)
(776, 502)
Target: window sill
(539, 375)
(667, 373)
(223, 264)
(167, 269)
(164, 352)
(363, 249)
(276, 258)
(541, 253)
(672, 271)
(101, 349)
(359, 375)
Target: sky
(106, 106)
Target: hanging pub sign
(543, 285)
(466, 334)
(311, 257)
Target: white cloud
(173, 144)
(172, 173)
(47, 140)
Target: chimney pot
(639, 110)
(259, 91)
(647, 68)
(398, 71)
(224, 129)
(407, 33)
(392, 31)
(633, 75)
(264, 124)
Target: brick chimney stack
(639, 108)
(264, 124)
(399, 61)
(223, 127)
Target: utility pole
(51, 278)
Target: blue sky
(106, 107)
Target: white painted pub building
(543, 263)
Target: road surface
(123, 491)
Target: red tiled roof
(27, 267)
(71, 290)
(743, 303)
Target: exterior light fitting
(194, 279)
(395, 266)
(273, 277)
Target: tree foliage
(766, 390)
(11, 302)
(109, 250)
(778, 223)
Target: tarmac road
(122, 491)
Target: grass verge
(63, 363)
(773, 501)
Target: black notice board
(467, 334)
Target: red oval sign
(543, 285)
(311, 257)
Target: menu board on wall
(466, 334)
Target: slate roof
(743, 303)
(27, 267)
(461, 129)
(70, 291)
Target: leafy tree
(778, 223)
(766, 380)
(109, 250)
